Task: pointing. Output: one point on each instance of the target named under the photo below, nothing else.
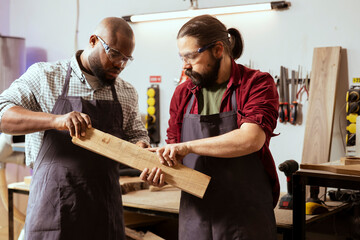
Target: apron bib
(75, 193)
(238, 201)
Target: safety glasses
(115, 56)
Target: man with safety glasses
(221, 122)
(74, 193)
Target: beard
(205, 79)
(99, 71)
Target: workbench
(304, 177)
(21, 188)
(165, 203)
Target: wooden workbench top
(168, 200)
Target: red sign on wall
(155, 79)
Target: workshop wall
(4, 17)
(271, 39)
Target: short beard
(205, 79)
(98, 70)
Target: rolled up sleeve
(22, 92)
(262, 104)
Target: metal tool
(286, 97)
(293, 103)
(304, 86)
(281, 96)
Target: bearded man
(221, 122)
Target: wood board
(350, 160)
(320, 113)
(164, 201)
(340, 169)
(187, 179)
(140, 235)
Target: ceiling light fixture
(194, 11)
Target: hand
(75, 122)
(171, 154)
(155, 177)
(142, 144)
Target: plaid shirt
(41, 85)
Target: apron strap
(190, 104)
(113, 90)
(233, 102)
(67, 80)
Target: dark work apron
(238, 203)
(74, 193)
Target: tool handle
(289, 184)
(281, 113)
(286, 111)
(293, 112)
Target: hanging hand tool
(307, 85)
(281, 94)
(286, 97)
(293, 103)
(304, 86)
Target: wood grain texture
(164, 201)
(140, 235)
(320, 114)
(349, 160)
(340, 169)
(180, 176)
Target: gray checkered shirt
(41, 85)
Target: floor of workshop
(335, 228)
(339, 226)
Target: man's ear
(218, 49)
(92, 41)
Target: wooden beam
(320, 113)
(340, 169)
(187, 179)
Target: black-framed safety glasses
(116, 57)
(189, 57)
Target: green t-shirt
(210, 98)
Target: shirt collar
(235, 78)
(75, 65)
(76, 68)
(84, 77)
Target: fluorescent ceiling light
(193, 12)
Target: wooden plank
(350, 160)
(180, 176)
(340, 169)
(164, 201)
(140, 235)
(320, 113)
(135, 220)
